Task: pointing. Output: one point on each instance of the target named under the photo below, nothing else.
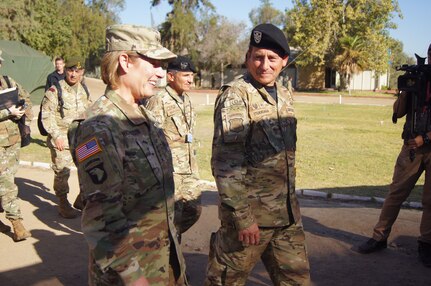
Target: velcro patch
(87, 149)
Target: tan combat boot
(4, 228)
(65, 209)
(19, 231)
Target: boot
(19, 231)
(78, 204)
(4, 228)
(65, 209)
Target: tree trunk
(343, 82)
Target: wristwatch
(426, 138)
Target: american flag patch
(87, 149)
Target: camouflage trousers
(188, 208)
(282, 250)
(61, 163)
(9, 161)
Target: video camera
(415, 77)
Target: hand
(417, 142)
(16, 112)
(250, 235)
(59, 144)
(142, 281)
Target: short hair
(59, 59)
(110, 67)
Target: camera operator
(413, 160)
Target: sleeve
(228, 162)
(400, 105)
(23, 94)
(101, 174)
(49, 111)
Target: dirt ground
(56, 254)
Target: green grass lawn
(346, 149)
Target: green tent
(27, 66)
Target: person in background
(60, 106)
(10, 144)
(56, 75)
(175, 114)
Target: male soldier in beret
(174, 112)
(125, 169)
(10, 144)
(62, 104)
(253, 164)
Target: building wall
(311, 77)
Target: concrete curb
(300, 192)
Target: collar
(261, 89)
(175, 95)
(134, 115)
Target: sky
(414, 30)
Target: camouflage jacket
(177, 117)
(9, 132)
(75, 103)
(253, 159)
(125, 174)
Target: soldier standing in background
(59, 109)
(10, 142)
(175, 114)
(125, 169)
(56, 75)
(253, 164)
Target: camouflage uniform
(177, 118)
(125, 173)
(75, 102)
(253, 164)
(10, 142)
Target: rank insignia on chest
(87, 149)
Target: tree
(221, 44)
(317, 27)
(348, 61)
(266, 14)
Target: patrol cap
(183, 64)
(143, 40)
(268, 36)
(1, 59)
(77, 62)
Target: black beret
(181, 63)
(268, 36)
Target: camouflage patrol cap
(268, 36)
(1, 59)
(143, 40)
(76, 62)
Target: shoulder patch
(87, 149)
(52, 89)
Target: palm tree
(349, 61)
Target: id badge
(189, 138)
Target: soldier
(56, 75)
(173, 110)
(60, 106)
(10, 142)
(253, 163)
(125, 169)
(406, 174)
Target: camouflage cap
(144, 40)
(1, 59)
(77, 62)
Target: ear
(170, 77)
(123, 61)
(285, 60)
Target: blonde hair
(111, 68)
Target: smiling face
(180, 81)
(265, 65)
(144, 74)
